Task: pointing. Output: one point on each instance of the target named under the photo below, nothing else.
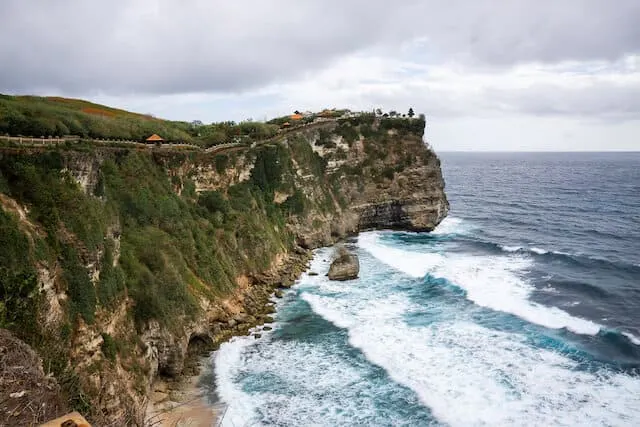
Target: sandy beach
(183, 403)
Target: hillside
(54, 116)
(33, 116)
(116, 260)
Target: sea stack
(345, 266)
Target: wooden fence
(42, 141)
(52, 141)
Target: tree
(393, 113)
(411, 113)
(378, 112)
(296, 112)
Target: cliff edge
(117, 260)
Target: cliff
(122, 258)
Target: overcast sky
(489, 74)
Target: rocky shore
(185, 396)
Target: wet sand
(185, 402)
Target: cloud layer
(171, 47)
(489, 74)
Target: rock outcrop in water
(345, 266)
(147, 251)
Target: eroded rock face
(394, 182)
(346, 266)
(413, 199)
(391, 181)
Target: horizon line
(537, 151)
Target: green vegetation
(82, 294)
(268, 170)
(348, 131)
(40, 182)
(307, 158)
(142, 225)
(325, 139)
(227, 132)
(51, 116)
(34, 116)
(37, 117)
(112, 278)
(18, 281)
(109, 348)
(170, 245)
(413, 126)
(295, 204)
(221, 163)
(214, 201)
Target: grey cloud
(497, 32)
(164, 46)
(175, 47)
(604, 100)
(601, 100)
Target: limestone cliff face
(389, 180)
(308, 188)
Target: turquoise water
(520, 309)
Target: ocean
(521, 309)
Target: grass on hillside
(34, 116)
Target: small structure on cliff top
(345, 266)
(155, 138)
(297, 116)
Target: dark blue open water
(522, 308)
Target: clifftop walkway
(43, 142)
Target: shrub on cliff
(348, 132)
(295, 204)
(213, 202)
(270, 165)
(404, 125)
(109, 347)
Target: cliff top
(47, 117)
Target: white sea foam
(632, 338)
(415, 264)
(470, 375)
(292, 383)
(533, 249)
(539, 251)
(451, 225)
(228, 360)
(495, 282)
(464, 373)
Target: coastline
(189, 399)
(183, 402)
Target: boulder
(345, 266)
(243, 318)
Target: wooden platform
(73, 419)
